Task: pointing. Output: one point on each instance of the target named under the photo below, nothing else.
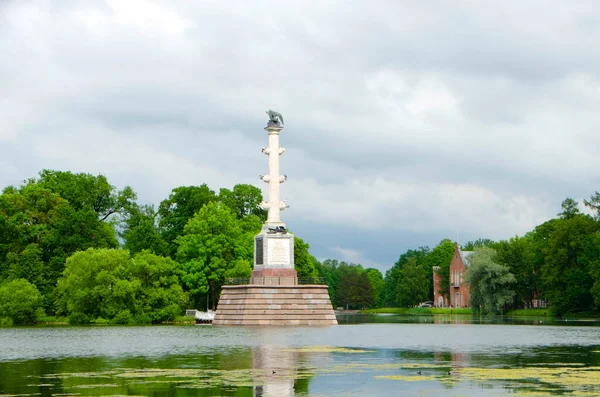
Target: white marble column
(274, 245)
(274, 204)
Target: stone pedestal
(274, 257)
(275, 305)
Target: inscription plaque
(258, 249)
(278, 251)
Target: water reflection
(285, 370)
(279, 368)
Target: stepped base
(297, 305)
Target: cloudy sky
(405, 121)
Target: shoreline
(541, 313)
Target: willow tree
(491, 283)
(112, 285)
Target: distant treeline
(73, 245)
(558, 261)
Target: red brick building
(457, 293)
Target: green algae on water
(325, 349)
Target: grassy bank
(418, 310)
(530, 313)
(184, 320)
(57, 320)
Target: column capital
(273, 129)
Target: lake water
(363, 356)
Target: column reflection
(279, 370)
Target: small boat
(204, 318)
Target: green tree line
(72, 244)
(558, 261)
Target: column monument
(273, 294)
(274, 245)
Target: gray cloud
(404, 122)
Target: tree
(393, 277)
(242, 268)
(305, 263)
(479, 243)
(570, 209)
(39, 230)
(594, 266)
(413, 287)
(490, 283)
(175, 212)
(569, 253)
(518, 254)
(250, 226)
(212, 243)
(26, 215)
(243, 200)
(159, 297)
(26, 265)
(86, 191)
(140, 231)
(362, 294)
(440, 256)
(20, 301)
(391, 280)
(94, 285)
(74, 231)
(594, 204)
(349, 284)
(327, 271)
(110, 284)
(377, 285)
(353, 289)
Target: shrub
(166, 314)
(78, 318)
(143, 318)
(123, 317)
(20, 301)
(110, 284)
